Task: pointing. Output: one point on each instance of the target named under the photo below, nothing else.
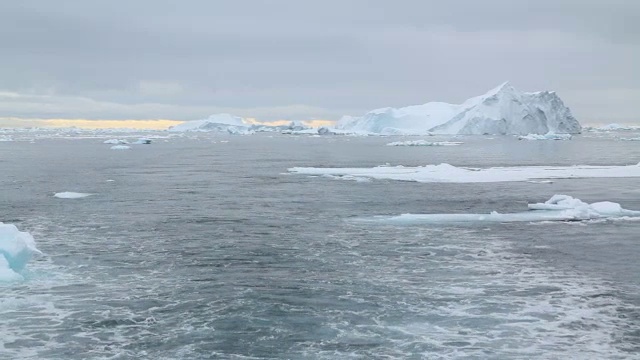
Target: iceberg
(446, 173)
(16, 249)
(557, 208)
(423, 143)
(219, 123)
(503, 110)
(70, 195)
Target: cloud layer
(300, 60)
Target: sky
(305, 60)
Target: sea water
(204, 246)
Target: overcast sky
(300, 59)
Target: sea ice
(445, 173)
(115, 141)
(71, 195)
(120, 147)
(557, 208)
(423, 143)
(16, 248)
(547, 136)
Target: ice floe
(547, 136)
(16, 248)
(424, 143)
(115, 141)
(557, 208)
(445, 173)
(71, 195)
(120, 147)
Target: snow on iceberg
(424, 143)
(70, 195)
(547, 136)
(16, 248)
(445, 173)
(220, 123)
(503, 110)
(120, 147)
(557, 208)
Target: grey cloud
(328, 57)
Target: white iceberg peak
(502, 110)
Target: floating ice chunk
(547, 136)
(142, 141)
(423, 143)
(558, 208)
(115, 141)
(16, 248)
(120, 147)
(613, 126)
(71, 195)
(451, 174)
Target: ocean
(205, 247)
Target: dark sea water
(203, 247)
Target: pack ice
(446, 173)
(503, 110)
(557, 208)
(16, 248)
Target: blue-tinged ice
(16, 249)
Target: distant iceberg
(424, 143)
(16, 248)
(70, 195)
(236, 125)
(503, 110)
(445, 173)
(220, 123)
(557, 208)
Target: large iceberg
(503, 110)
(446, 173)
(557, 208)
(16, 248)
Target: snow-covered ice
(547, 136)
(445, 173)
(503, 110)
(223, 123)
(115, 141)
(614, 127)
(424, 143)
(71, 195)
(16, 248)
(557, 208)
(120, 147)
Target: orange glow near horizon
(156, 124)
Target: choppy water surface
(204, 248)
